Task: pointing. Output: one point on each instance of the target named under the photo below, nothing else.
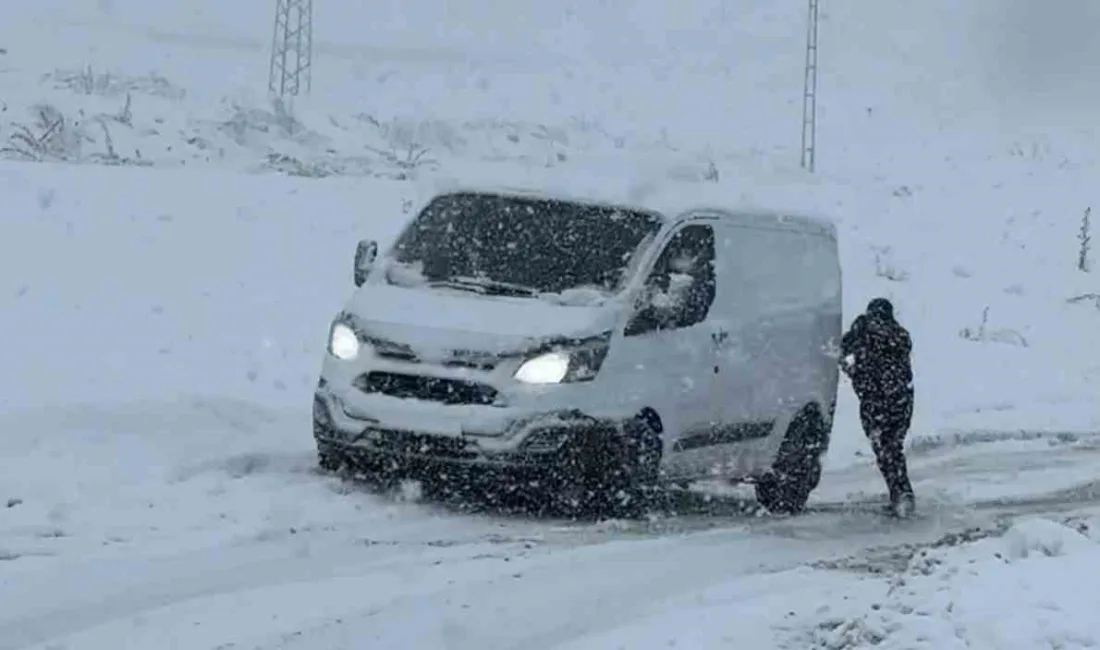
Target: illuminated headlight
(576, 361)
(549, 368)
(343, 342)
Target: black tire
(608, 472)
(328, 459)
(374, 471)
(797, 467)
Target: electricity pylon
(292, 48)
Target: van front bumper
(409, 435)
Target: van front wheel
(609, 471)
(797, 467)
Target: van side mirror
(365, 253)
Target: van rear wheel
(797, 467)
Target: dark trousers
(886, 420)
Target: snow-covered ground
(164, 313)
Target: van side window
(680, 290)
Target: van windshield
(508, 245)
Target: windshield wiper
(484, 286)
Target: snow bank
(162, 479)
(1028, 588)
(1022, 590)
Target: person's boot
(902, 505)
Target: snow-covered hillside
(907, 90)
(173, 246)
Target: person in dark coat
(875, 354)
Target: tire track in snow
(341, 584)
(40, 606)
(378, 590)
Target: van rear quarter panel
(784, 291)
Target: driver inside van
(682, 286)
(677, 283)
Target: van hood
(439, 324)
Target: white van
(588, 348)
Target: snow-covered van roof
(667, 203)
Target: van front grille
(431, 389)
(404, 442)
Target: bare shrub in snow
(54, 138)
(402, 145)
(1086, 297)
(49, 138)
(983, 333)
(312, 154)
(1084, 238)
(110, 156)
(403, 134)
(86, 81)
(1032, 150)
(406, 162)
(125, 115)
(330, 165)
(711, 175)
(291, 166)
(246, 122)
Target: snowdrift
(1011, 591)
(1017, 590)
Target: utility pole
(809, 93)
(292, 48)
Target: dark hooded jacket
(880, 349)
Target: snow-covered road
(216, 532)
